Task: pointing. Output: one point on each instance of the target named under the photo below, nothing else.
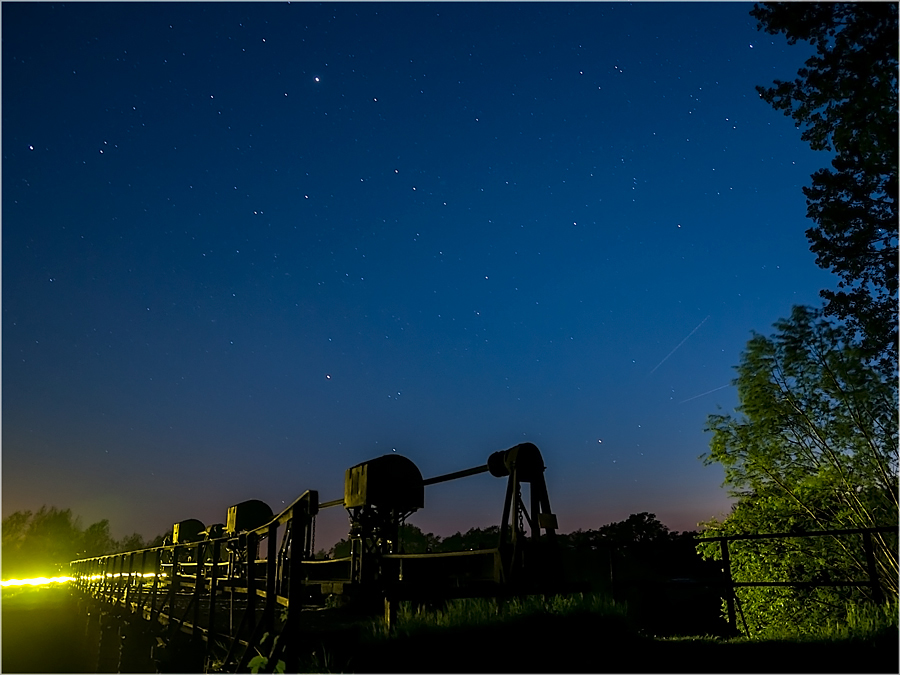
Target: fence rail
(730, 584)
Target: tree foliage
(639, 530)
(845, 100)
(475, 538)
(813, 446)
(772, 611)
(42, 543)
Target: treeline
(657, 573)
(41, 543)
(640, 540)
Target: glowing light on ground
(37, 581)
(42, 581)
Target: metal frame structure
(226, 594)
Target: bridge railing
(185, 583)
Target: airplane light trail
(678, 345)
(705, 393)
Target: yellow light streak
(42, 581)
(37, 581)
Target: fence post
(213, 588)
(198, 586)
(126, 596)
(157, 570)
(390, 613)
(271, 573)
(877, 594)
(729, 585)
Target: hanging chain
(519, 508)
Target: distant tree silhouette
(96, 540)
(476, 538)
(42, 543)
(133, 542)
(39, 543)
(340, 550)
(641, 546)
(413, 540)
(845, 100)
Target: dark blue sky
(246, 246)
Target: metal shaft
(455, 475)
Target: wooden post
(174, 582)
(157, 570)
(271, 573)
(250, 574)
(612, 577)
(390, 613)
(126, 596)
(877, 593)
(140, 581)
(729, 585)
(107, 578)
(198, 587)
(213, 582)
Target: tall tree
(845, 100)
(814, 445)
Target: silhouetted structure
(216, 596)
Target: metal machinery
(379, 495)
(523, 557)
(222, 585)
(187, 531)
(242, 518)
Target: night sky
(246, 246)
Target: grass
(865, 622)
(482, 612)
(591, 633)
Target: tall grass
(863, 621)
(474, 612)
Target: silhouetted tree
(42, 543)
(156, 541)
(413, 540)
(97, 540)
(133, 542)
(476, 538)
(845, 99)
(340, 550)
(37, 544)
(14, 527)
(638, 528)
